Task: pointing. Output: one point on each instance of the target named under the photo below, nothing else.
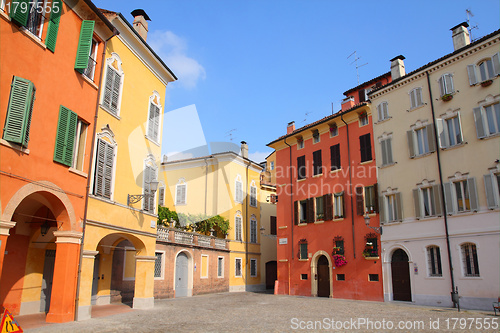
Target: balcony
(179, 237)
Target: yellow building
(225, 184)
(118, 256)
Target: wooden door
(271, 274)
(400, 270)
(323, 277)
(48, 275)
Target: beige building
(437, 149)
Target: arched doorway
(123, 273)
(271, 274)
(181, 275)
(323, 277)
(400, 271)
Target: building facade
(326, 183)
(118, 256)
(436, 142)
(48, 86)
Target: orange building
(326, 182)
(49, 84)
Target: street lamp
(367, 222)
(134, 198)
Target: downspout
(438, 156)
(247, 270)
(206, 184)
(94, 130)
(291, 212)
(350, 186)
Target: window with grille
(237, 267)
(253, 267)
(253, 230)
(238, 228)
(434, 261)
(158, 264)
(220, 267)
(469, 259)
(253, 196)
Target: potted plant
(339, 260)
(447, 97)
(486, 83)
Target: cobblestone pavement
(254, 312)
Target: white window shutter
(471, 70)
(379, 110)
(436, 198)
(471, 185)
(108, 87)
(495, 59)
(441, 85)
(431, 138)
(448, 79)
(478, 119)
(416, 202)
(399, 206)
(448, 198)
(443, 140)
(419, 97)
(490, 194)
(99, 167)
(411, 146)
(385, 110)
(381, 208)
(413, 102)
(116, 91)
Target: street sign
(9, 324)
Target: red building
(327, 188)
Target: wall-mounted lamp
(134, 198)
(367, 222)
(44, 228)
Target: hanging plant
(339, 260)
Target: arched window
(113, 84)
(154, 117)
(104, 164)
(253, 229)
(238, 227)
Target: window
(340, 277)
(373, 277)
(383, 111)
(461, 196)
(449, 131)
(300, 143)
(253, 267)
(421, 141)
(365, 147)
(334, 130)
(338, 246)
(89, 71)
(427, 201)
(317, 163)
(271, 165)
(154, 117)
(366, 199)
(391, 210)
(35, 17)
(238, 185)
(487, 120)
(253, 230)
(386, 148)
(316, 138)
(253, 195)
(338, 205)
(84, 52)
(238, 228)
(416, 98)
(158, 265)
(204, 266)
(320, 215)
(303, 276)
(273, 225)
(19, 111)
(335, 157)
(371, 246)
(237, 267)
(65, 136)
(113, 85)
(149, 199)
(488, 69)
(80, 140)
(161, 196)
(220, 267)
(303, 211)
(301, 167)
(181, 192)
(434, 261)
(363, 119)
(303, 249)
(446, 84)
(492, 188)
(469, 259)
(103, 173)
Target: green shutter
(65, 138)
(84, 45)
(18, 117)
(19, 11)
(55, 17)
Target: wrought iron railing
(90, 70)
(34, 21)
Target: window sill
(470, 278)
(387, 165)
(78, 172)
(301, 180)
(318, 175)
(496, 135)
(303, 259)
(383, 120)
(434, 277)
(34, 38)
(14, 146)
(335, 170)
(152, 140)
(4, 15)
(458, 145)
(283, 227)
(372, 258)
(105, 108)
(338, 219)
(302, 224)
(416, 107)
(89, 81)
(319, 222)
(366, 162)
(422, 155)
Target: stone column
(86, 280)
(5, 227)
(144, 282)
(62, 300)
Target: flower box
(447, 97)
(486, 83)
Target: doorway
(48, 275)
(323, 277)
(95, 280)
(181, 275)
(400, 271)
(271, 274)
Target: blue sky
(248, 67)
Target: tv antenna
(356, 58)
(230, 134)
(469, 15)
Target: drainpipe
(94, 130)
(454, 292)
(350, 186)
(291, 212)
(247, 270)
(206, 182)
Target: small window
(271, 165)
(363, 119)
(492, 188)
(334, 130)
(392, 211)
(103, 170)
(365, 145)
(446, 84)
(416, 98)
(383, 111)
(112, 90)
(301, 167)
(373, 277)
(434, 261)
(237, 267)
(338, 246)
(421, 141)
(220, 267)
(303, 250)
(371, 247)
(161, 196)
(450, 131)
(370, 199)
(462, 195)
(253, 267)
(80, 141)
(300, 143)
(469, 260)
(154, 117)
(238, 185)
(316, 138)
(303, 276)
(485, 70)
(320, 213)
(158, 265)
(340, 277)
(303, 211)
(317, 163)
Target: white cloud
(173, 50)
(258, 156)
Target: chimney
(290, 127)
(347, 103)
(140, 22)
(244, 149)
(460, 35)
(397, 67)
